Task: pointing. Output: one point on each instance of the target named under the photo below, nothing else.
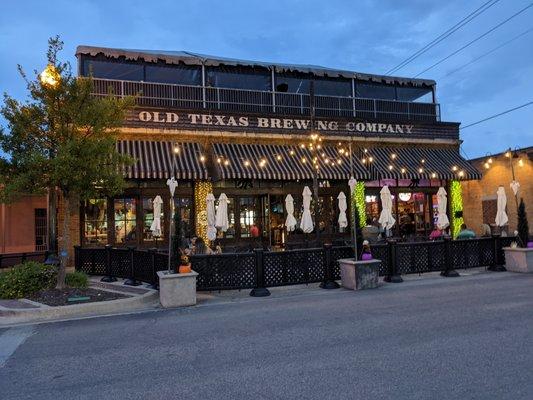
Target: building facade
(479, 197)
(259, 131)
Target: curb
(79, 310)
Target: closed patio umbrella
(501, 203)
(306, 224)
(211, 230)
(386, 219)
(156, 223)
(221, 217)
(290, 222)
(343, 220)
(442, 219)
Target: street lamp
(50, 78)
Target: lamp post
(50, 78)
(314, 147)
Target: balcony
(265, 102)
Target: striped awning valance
(282, 162)
(418, 162)
(156, 160)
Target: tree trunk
(65, 243)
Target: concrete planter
(518, 259)
(177, 290)
(357, 275)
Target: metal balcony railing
(239, 100)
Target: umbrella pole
(353, 207)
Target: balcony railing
(255, 101)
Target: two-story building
(258, 131)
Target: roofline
(528, 149)
(190, 58)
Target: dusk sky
(364, 36)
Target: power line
(475, 40)
(488, 52)
(496, 115)
(444, 35)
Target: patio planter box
(358, 275)
(177, 290)
(518, 259)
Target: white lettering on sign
(271, 123)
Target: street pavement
(440, 338)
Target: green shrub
(77, 279)
(27, 278)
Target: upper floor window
(238, 78)
(375, 91)
(175, 74)
(113, 70)
(413, 94)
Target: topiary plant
(523, 226)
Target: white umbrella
(290, 222)
(442, 219)
(352, 183)
(343, 220)
(211, 230)
(221, 217)
(156, 223)
(501, 216)
(306, 224)
(386, 219)
(515, 186)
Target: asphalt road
(456, 338)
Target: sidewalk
(143, 299)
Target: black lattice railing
(299, 266)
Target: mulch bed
(57, 297)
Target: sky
(359, 35)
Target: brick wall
(499, 173)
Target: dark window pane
(95, 227)
(419, 95)
(333, 87)
(375, 91)
(238, 78)
(176, 74)
(292, 84)
(113, 70)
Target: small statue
(366, 254)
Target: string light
(202, 158)
(318, 146)
(521, 163)
(278, 157)
(422, 161)
(365, 150)
(370, 159)
(390, 167)
(487, 165)
(176, 149)
(461, 173)
(303, 160)
(454, 168)
(226, 162)
(291, 152)
(489, 160)
(201, 190)
(393, 156)
(302, 146)
(339, 161)
(219, 160)
(420, 170)
(433, 175)
(403, 170)
(246, 163)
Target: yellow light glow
(302, 146)
(420, 170)
(403, 170)
(365, 150)
(461, 173)
(303, 160)
(219, 160)
(390, 167)
(202, 158)
(422, 161)
(318, 146)
(487, 165)
(454, 168)
(176, 150)
(339, 161)
(490, 160)
(363, 160)
(49, 76)
(291, 152)
(246, 163)
(263, 161)
(433, 175)
(508, 154)
(326, 161)
(226, 163)
(393, 156)
(370, 159)
(278, 157)
(521, 162)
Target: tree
(523, 226)
(61, 138)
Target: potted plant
(185, 265)
(519, 258)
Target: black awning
(282, 162)
(156, 160)
(418, 162)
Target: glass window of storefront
(95, 221)
(125, 212)
(183, 215)
(148, 217)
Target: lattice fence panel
(120, 263)
(338, 253)
(381, 252)
(225, 271)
